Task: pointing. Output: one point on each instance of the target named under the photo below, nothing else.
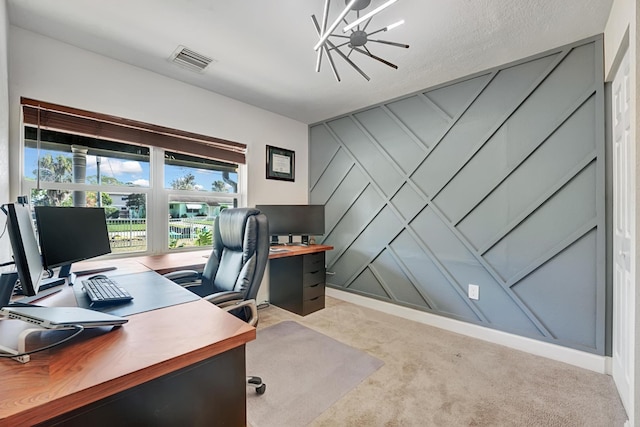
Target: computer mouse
(98, 276)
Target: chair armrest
(182, 274)
(238, 303)
(185, 278)
(224, 297)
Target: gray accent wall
(496, 180)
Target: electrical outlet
(474, 291)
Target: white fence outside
(130, 234)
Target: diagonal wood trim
(535, 204)
(501, 121)
(452, 281)
(551, 253)
(554, 128)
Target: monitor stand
(65, 271)
(275, 241)
(303, 243)
(7, 283)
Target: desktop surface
(150, 291)
(101, 363)
(294, 250)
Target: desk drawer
(313, 278)
(312, 305)
(312, 262)
(311, 292)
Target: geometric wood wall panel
(496, 180)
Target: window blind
(67, 119)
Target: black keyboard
(102, 291)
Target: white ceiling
(264, 48)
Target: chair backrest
(240, 252)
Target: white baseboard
(578, 358)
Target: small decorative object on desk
(312, 240)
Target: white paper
(281, 164)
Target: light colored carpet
(305, 372)
(432, 377)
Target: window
(198, 190)
(183, 172)
(154, 199)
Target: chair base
(256, 382)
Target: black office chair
(232, 274)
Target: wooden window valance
(87, 123)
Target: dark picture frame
(281, 164)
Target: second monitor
(290, 220)
(71, 234)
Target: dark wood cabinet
(296, 283)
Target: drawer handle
(314, 272)
(330, 273)
(313, 299)
(313, 286)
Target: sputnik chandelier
(355, 33)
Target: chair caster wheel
(261, 389)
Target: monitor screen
(24, 246)
(294, 219)
(71, 234)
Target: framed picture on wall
(281, 164)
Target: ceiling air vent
(189, 59)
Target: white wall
(621, 33)
(4, 124)
(48, 70)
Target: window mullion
(157, 214)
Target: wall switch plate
(474, 291)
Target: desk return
(297, 279)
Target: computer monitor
(24, 246)
(289, 220)
(71, 234)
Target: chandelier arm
(368, 15)
(331, 63)
(319, 56)
(340, 45)
(377, 31)
(406, 46)
(350, 62)
(366, 25)
(325, 17)
(325, 34)
(357, 17)
(377, 58)
(340, 35)
(326, 51)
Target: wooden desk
(296, 274)
(298, 250)
(183, 364)
(165, 263)
(197, 259)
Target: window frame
(157, 197)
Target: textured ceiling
(264, 48)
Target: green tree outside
(219, 186)
(187, 182)
(54, 170)
(136, 202)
